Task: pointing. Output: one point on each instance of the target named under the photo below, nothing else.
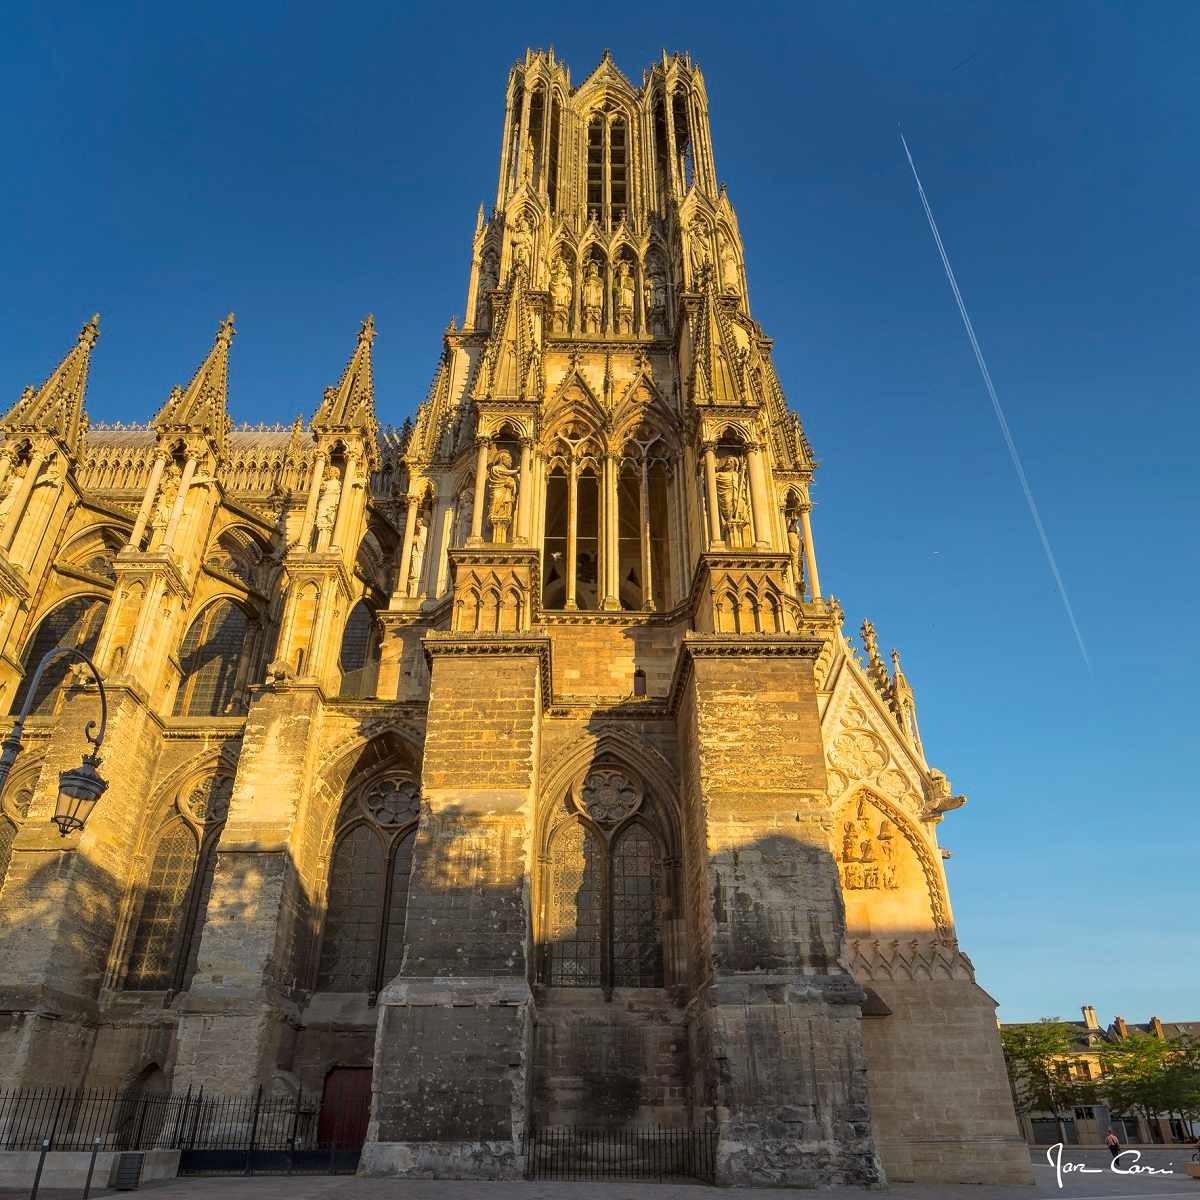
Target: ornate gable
(201, 407)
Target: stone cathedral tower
(513, 762)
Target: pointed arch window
(214, 659)
(75, 624)
(359, 657)
(606, 888)
(362, 943)
(13, 810)
(170, 907)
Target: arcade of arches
(511, 758)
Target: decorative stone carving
(327, 501)
(730, 272)
(393, 801)
(11, 485)
(731, 500)
(489, 277)
(608, 795)
(502, 479)
(522, 242)
(867, 859)
(625, 289)
(561, 295)
(209, 801)
(656, 299)
(417, 560)
(593, 298)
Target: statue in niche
(417, 559)
(489, 276)
(462, 516)
(625, 293)
(656, 300)
(160, 515)
(701, 263)
(527, 169)
(15, 476)
(560, 296)
(796, 551)
(327, 505)
(730, 501)
(730, 277)
(502, 477)
(522, 242)
(593, 298)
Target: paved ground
(1076, 1185)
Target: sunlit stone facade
(512, 760)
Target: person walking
(1113, 1142)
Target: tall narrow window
(554, 564)
(210, 658)
(605, 888)
(618, 169)
(683, 139)
(362, 944)
(595, 167)
(359, 658)
(534, 144)
(552, 166)
(75, 624)
(662, 152)
(160, 928)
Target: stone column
(410, 527)
(524, 498)
(21, 499)
(6, 464)
(572, 531)
(452, 1052)
(314, 495)
(714, 508)
(185, 482)
(759, 509)
(644, 530)
(341, 523)
(781, 1012)
(482, 445)
(143, 516)
(810, 554)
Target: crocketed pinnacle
(56, 408)
(350, 407)
(202, 407)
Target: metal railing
(215, 1133)
(584, 1154)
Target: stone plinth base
(444, 1160)
(69, 1168)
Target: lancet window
(359, 657)
(607, 886)
(215, 660)
(169, 907)
(76, 625)
(14, 808)
(607, 150)
(362, 944)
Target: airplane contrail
(1000, 417)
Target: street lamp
(78, 790)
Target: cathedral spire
(350, 407)
(202, 407)
(56, 408)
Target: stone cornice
(736, 645)
(507, 645)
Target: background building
(512, 765)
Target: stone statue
(502, 477)
(327, 505)
(729, 486)
(656, 300)
(730, 277)
(9, 497)
(161, 515)
(796, 552)
(522, 241)
(700, 260)
(593, 298)
(462, 516)
(527, 168)
(489, 276)
(625, 290)
(560, 296)
(849, 837)
(417, 559)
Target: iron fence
(216, 1134)
(582, 1154)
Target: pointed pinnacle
(366, 332)
(90, 332)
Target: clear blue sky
(306, 164)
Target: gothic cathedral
(513, 758)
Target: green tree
(1038, 1057)
(1138, 1074)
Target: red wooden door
(345, 1107)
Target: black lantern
(78, 790)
